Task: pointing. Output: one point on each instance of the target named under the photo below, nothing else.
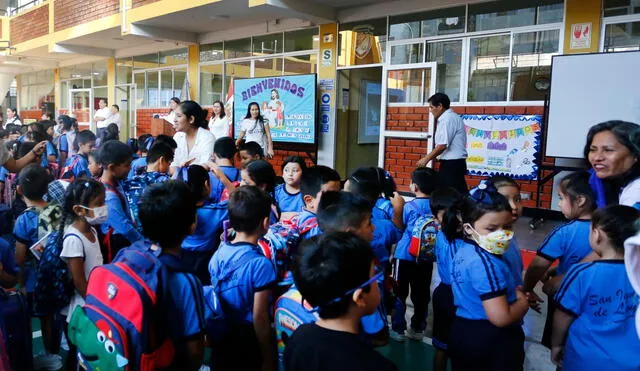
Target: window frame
(606, 21)
(157, 70)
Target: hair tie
(483, 193)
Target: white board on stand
(587, 89)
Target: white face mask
(496, 242)
(100, 214)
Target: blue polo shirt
(63, 143)
(8, 257)
(208, 227)
(80, 166)
(478, 276)
(25, 231)
(384, 235)
(445, 252)
(119, 217)
(138, 166)
(304, 217)
(413, 210)
(569, 243)
(383, 209)
(603, 303)
(3, 173)
(50, 150)
(288, 202)
(253, 276)
(513, 257)
(233, 174)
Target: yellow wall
(192, 72)
(582, 11)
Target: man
(115, 116)
(450, 144)
(101, 117)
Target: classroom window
(621, 37)
(237, 48)
(299, 40)
(488, 68)
(531, 63)
(448, 56)
(211, 78)
(36, 88)
(362, 43)
(99, 73)
(173, 57)
(179, 78)
(211, 52)
(124, 69)
(267, 44)
(507, 14)
(145, 61)
(424, 24)
(408, 86)
(407, 53)
(301, 64)
(614, 8)
(140, 80)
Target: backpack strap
(84, 253)
(234, 266)
(308, 225)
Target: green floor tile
(409, 355)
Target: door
(125, 100)
(81, 106)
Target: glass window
(36, 88)
(99, 93)
(166, 87)
(301, 64)
(211, 84)
(140, 81)
(506, 14)
(621, 7)
(211, 52)
(362, 42)
(124, 67)
(179, 77)
(238, 70)
(307, 39)
(267, 67)
(173, 57)
(531, 63)
(405, 86)
(432, 23)
(622, 37)
(145, 61)
(488, 68)
(408, 53)
(152, 89)
(64, 96)
(448, 55)
(237, 48)
(267, 44)
(99, 73)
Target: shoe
(63, 343)
(414, 335)
(397, 336)
(48, 362)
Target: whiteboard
(587, 89)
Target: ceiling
(341, 4)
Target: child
(376, 184)
(569, 242)
(144, 143)
(94, 165)
(8, 268)
(250, 151)
(260, 173)
(84, 208)
(287, 195)
(511, 191)
(224, 153)
(315, 181)
(119, 230)
(336, 275)
(486, 333)
(198, 248)
(35, 223)
(168, 214)
(247, 278)
(67, 138)
(77, 166)
(593, 328)
(408, 271)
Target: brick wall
(29, 25)
(70, 13)
(402, 154)
(30, 114)
(137, 3)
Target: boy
(336, 274)
(168, 214)
(35, 223)
(158, 159)
(408, 271)
(8, 268)
(246, 288)
(138, 164)
(119, 230)
(224, 153)
(315, 181)
(77, 166)
(94, 165)
(250, 151)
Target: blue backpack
(423, 237)
(290, 313)
(133, 189)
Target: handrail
(23, 7)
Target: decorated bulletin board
(503, 145)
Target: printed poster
(503, 145)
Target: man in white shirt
(450, 144)
(101, 117)
(115, 116)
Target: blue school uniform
(25, 231)
(445, 252)
(603, 303)
(217, 187)
(50, 150)
(303, 218)
(208, 227)
(413, 210)
(255, 275)
(286, 201)
(8, 257)
(513, 257)
(80, 166)
(137, 167)
(3, 173)
(569, 243)
(63, 143)
(384, 235)
(383, 209)
(119, 216)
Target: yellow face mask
(496, 242)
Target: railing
(23, 7)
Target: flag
(228, 107)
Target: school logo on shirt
(112, 290)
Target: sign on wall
(503, 145)
(581, 35)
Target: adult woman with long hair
(12, 117)
(195, 141)
(256, 129)
(219, 122)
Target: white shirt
(104, 113)
(12, 121)
(254, 132)
(74, 247)
(114, 119)
(219, 127)
(630, 195)
(450, 132)
(170, 118)
(201, 150)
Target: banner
(503, 145)
(288, 103)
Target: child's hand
(520, 295)
(552, 272)
(557, 353)
(397, 201)
(551, 285)
(188, 162)
(534, 301)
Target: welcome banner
(503, 145)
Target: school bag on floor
(122, 325)
(423, 239)
(14, 324)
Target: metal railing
(14, 11)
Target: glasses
(379, 273)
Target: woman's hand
(188, 162)
(270, 153)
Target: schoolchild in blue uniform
(224, 154)
(79, 163)
(288, 195)
(50, 152)
(260, 173)
(569, 243)
(407, 271)
(594, 321)
(168, 215)
(511, 191)
(250, 151)
(66, 139)
(315, 181)
(247, 280)
(486, 333)
(8, 269)
(119, 230)
(144, 143)
(198, 248)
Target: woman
(173, 105)
(256, 128)
(12, 117)
(195, 142)
(219, 123)
(613, 149)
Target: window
(407, 53)
(166, 87)
(211, 52)
(173, 57)
(145, 61)
(531, 62)
(267, 67)
(301, 64)
(268, 44)
(152, 89)
(99, 73)
(307, 39)
(211, 84)
(124, 69)
(433, 23)
(506, 14)
(614, 8)
(620, 37)
(237, 48)
(488, 68)
(179, 78)
(36, 88)
(448, 56)
(362, 43)
(408, 86)
(140, 81)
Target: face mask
(495, 242)
(100, 215)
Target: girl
(569, 242)
(219, 123)
(593, 328)
(198, 248)
(50, 153)
(256, 128)
(511, 191)
(260, 173)
(287, 195)
(84, 207)
(489, 305)
(12, 117)
(66, 139)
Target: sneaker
(48, 362)
(397, 336)
(415, 335)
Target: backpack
(290, 313)
(108, 242)
(224, 196)
(280, 245)
(121, 326)
(66, 173)
(133, 189)
(423, 238)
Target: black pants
(418, 276)
(451, 174)
(198, 261)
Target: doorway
(126, 103)
(81, 106)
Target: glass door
(125, 99)
(81, 107)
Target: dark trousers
(451, 174)
(418, 277)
